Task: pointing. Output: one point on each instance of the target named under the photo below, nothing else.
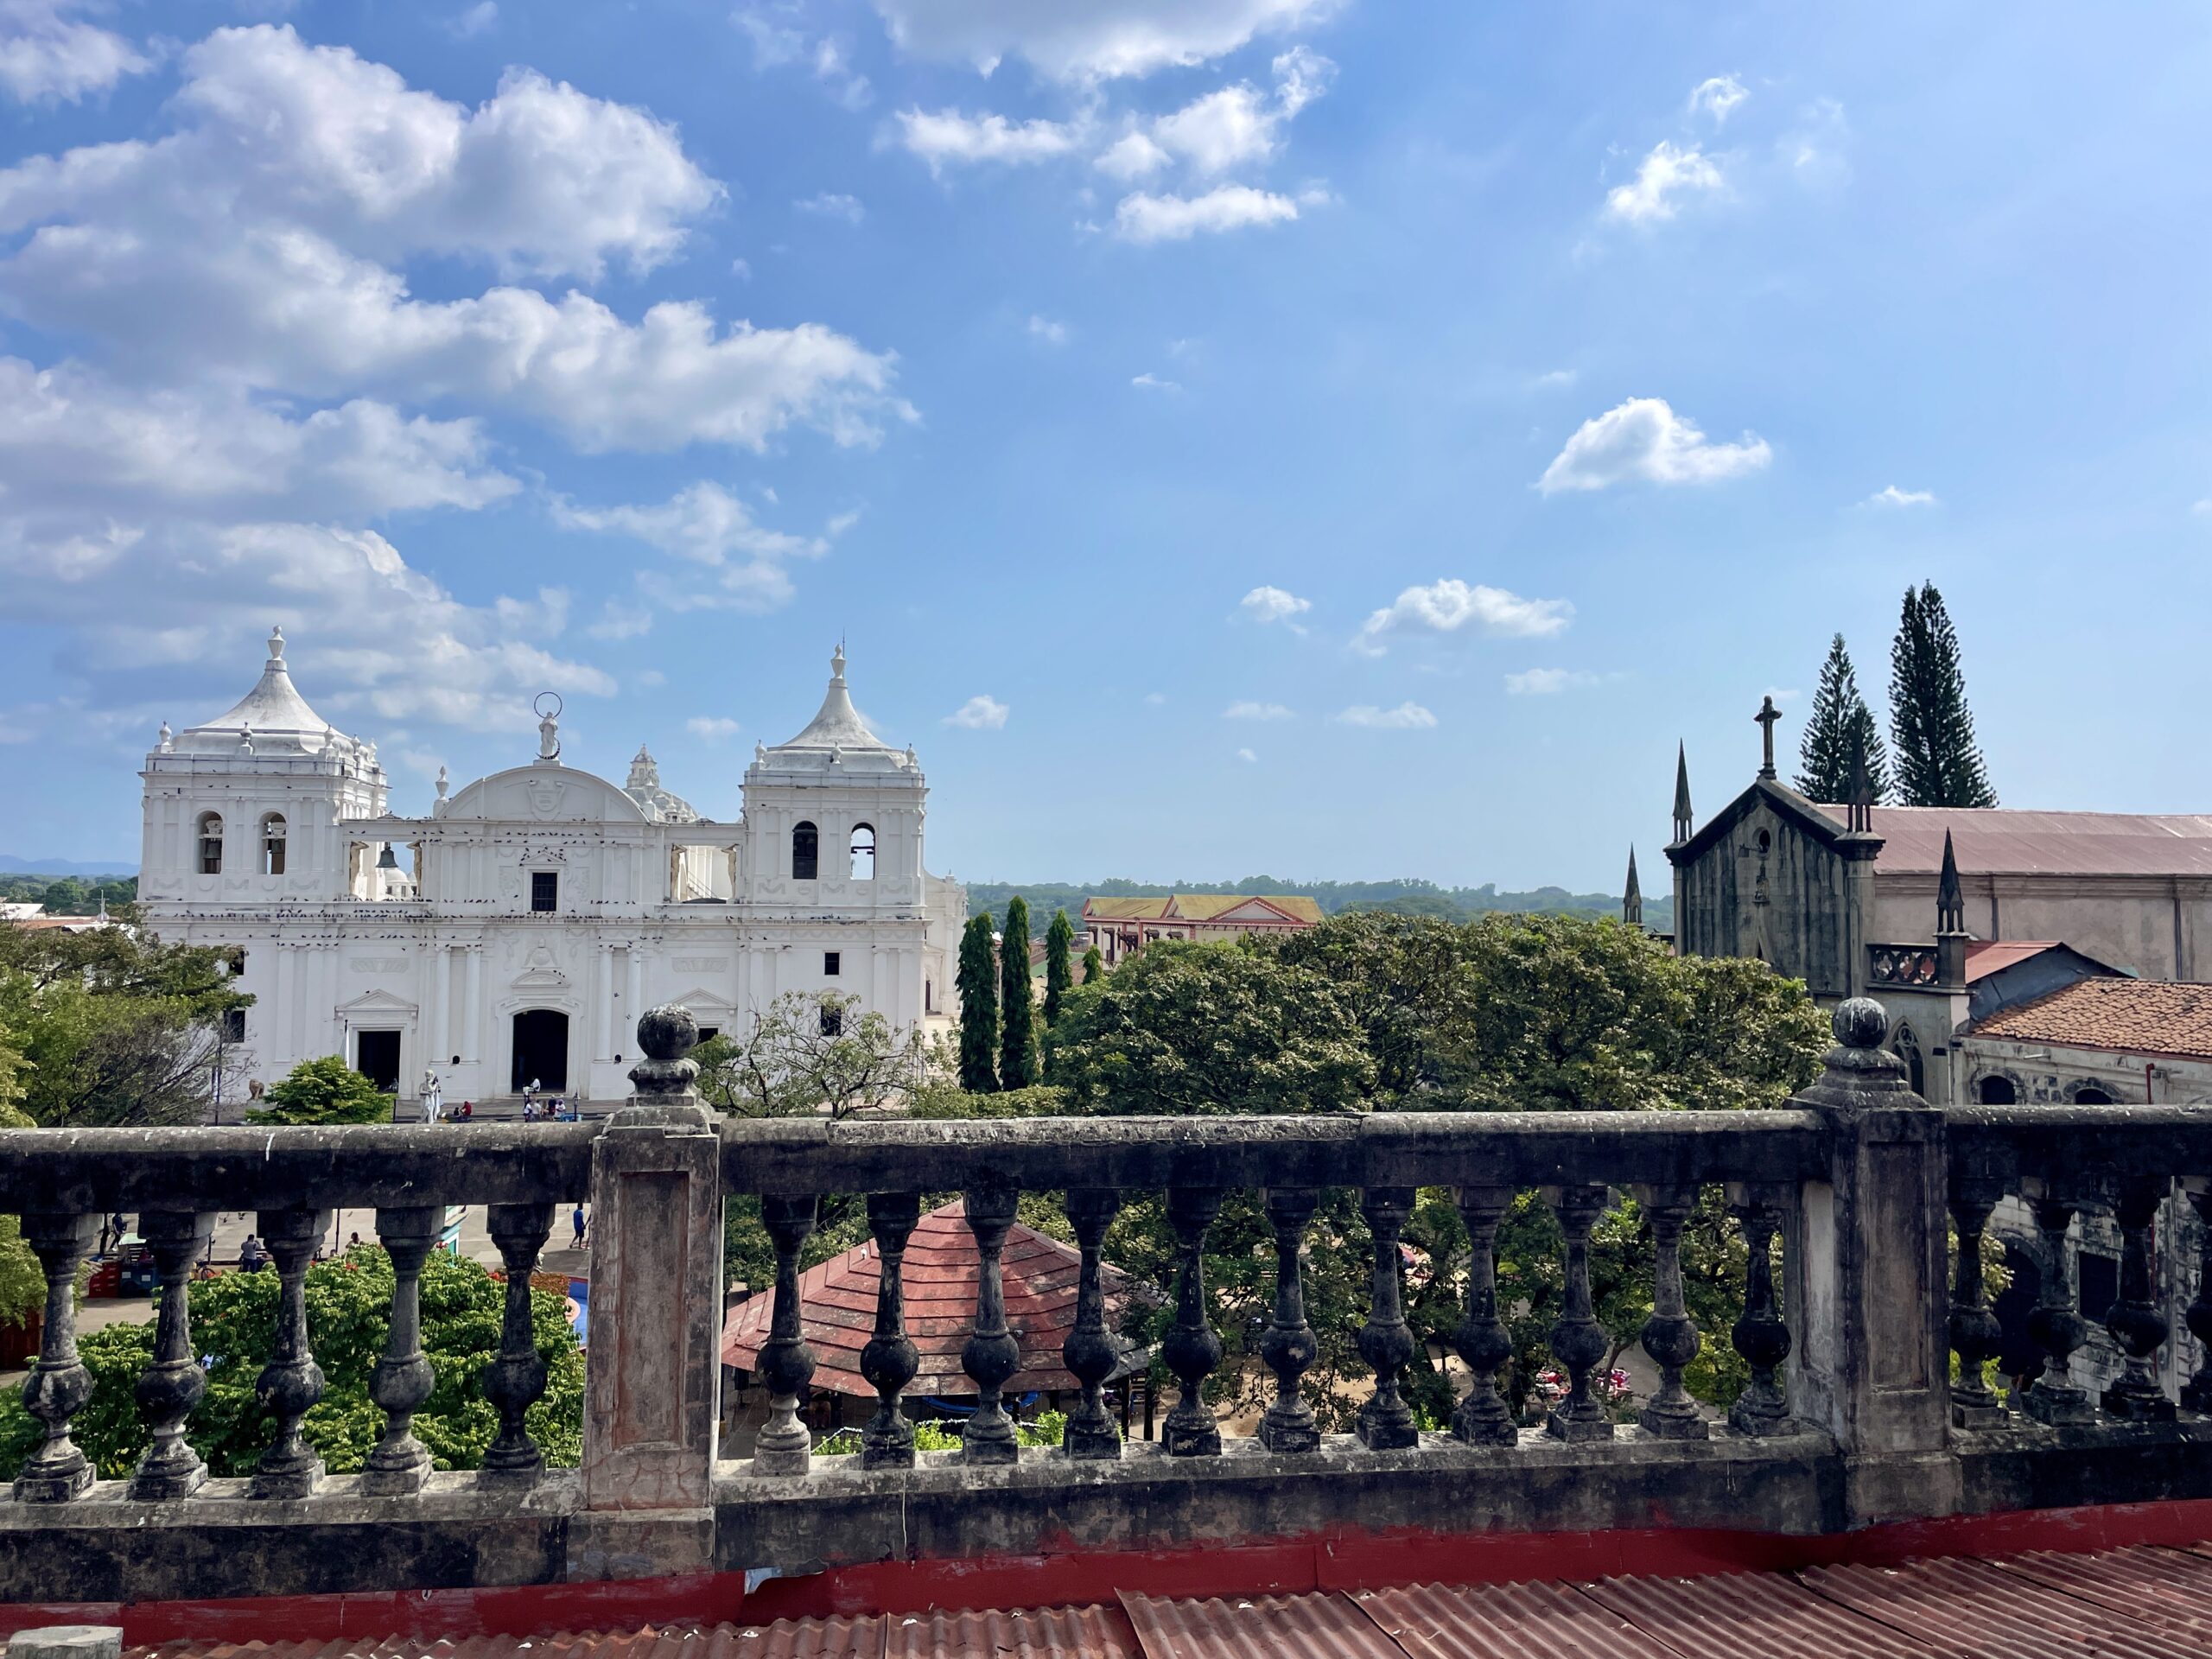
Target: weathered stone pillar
(1868, 1295)
(655, 1367)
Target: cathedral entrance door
(376, 1057)
(541, 1049)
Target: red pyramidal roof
(837, 1308)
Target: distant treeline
(68, 895)
(1409, 897)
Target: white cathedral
(545, 909)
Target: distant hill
(13, 864)
(1410, 896)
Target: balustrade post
(990, 1356)
(514, 1380)
(2136, 1322)
(2198, 1396)
(1386, 1341)
(1761, 1335)
(59, 1385)
(1578, 1340)
(2057, 1326)
(784, 1446)
(400, 1463)
(291, 1382)
(1191, 1348)
(1976, 1336)
(1088, 1352)
(1288, 1346)
(1670, 1335)
(890, 1360)
(1484, 1343)
(172, 1386)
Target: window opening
(2092, 1096)
(863, 852)
(544, 890)
(211, 843)
(806, 846)
(833, 1019)
(1998, 1091)
(831, 962)
(272, 844)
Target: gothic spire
(1632, 896)
(1950, 898)
(1683, 824)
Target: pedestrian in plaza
(469, 1111)
(249, 1254)
(577, 1223)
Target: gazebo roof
(837, 1308)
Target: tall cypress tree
(979, 1008)
(1839, 726)
(1094, 965)
(1059, 978)
(1938, 762)
(1018, 1067)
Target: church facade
(541, 909)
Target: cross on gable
(1767, 715)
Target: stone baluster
(172, 1386)
(1386, 1341)
(59, 1385)
(1578, 1341)
(1976, 1336)
(1191, 1348)
(889, 1361)
(2056, 1327)
(990, 1356)
(1761, 1335)
(1483, 1342)
(1670, 1335)
(399, 1464)
(291, 1382)
(1088, 1352)
(2198, 1396)
(2136, 1322)
(1288, 1346)
(784, 1446)
(514, 1380)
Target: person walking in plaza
(576, 1224)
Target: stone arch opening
(272, 844)
(1997, 1091)
(863, 852)
(541, 1051)
(211, 843)
(807, 851)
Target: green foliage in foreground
(325, 1090)
(349, 1306)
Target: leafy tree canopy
(810, 1051)
(325, 1090)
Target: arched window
(1998, 1091)
(211, 843)
(806, 846)
(1907, 1047)
(2091, 1095)
(272, 844)
(863, 852)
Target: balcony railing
(1849, 1417)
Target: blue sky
(1340, 439)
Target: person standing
(577, 1223)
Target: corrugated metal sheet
(1505, 1621)
(2170, 1588)
(1048, 1633)
(1325, 1626)
(1763, 1613)
(1977, 1607)
(2010, 842)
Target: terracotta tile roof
(2010, 842)
(2139, 1016)
(837, 1308)
(2149, 1602)
(1198, 906)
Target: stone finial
(276, 643)
(67, 1641)
(1860, 1023)
(1632, 895)
(1858, 1072)
(167, 741)
(443, 784)
(1950, 896)
(1685, 824)
(667, 1034)
(838, 664)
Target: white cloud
(1220, 130)
(1150, 382)
(832, 205)
(1555, 379)
(1406, 717)
(1644, 439)
(1052, 333)
(712, 728)
(1667, 174)
(1248, 757)
(1889, 496)
(46, 56)
(1248, 710)
(479, 19)
(1451, 605)
(618, 620)
(1145, 218)
(943, 137)
(1274, 605)
(1548, 682)
(1816, 149)
(1154, 699)
(1717, 96)
(983, 714)
(706, 525)
(1097, 40)
(1133, 155)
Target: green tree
(1838, 731)
(325, 1090)
(978, 985)
(22, 1281)
(1938, 762)
(1059, 980)
(349, 1303)
(1018, 1059)
(809, 1051)
(1094, 965)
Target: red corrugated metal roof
(1986, 956)
(837, 1308)
(2005, 841)
(1505, 1621)
(1257, 1627)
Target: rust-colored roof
(1986, 956)
(837, 1308)
(2149, 1602)
(2002, 840)
(1201, 907)
(2136, 1016)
